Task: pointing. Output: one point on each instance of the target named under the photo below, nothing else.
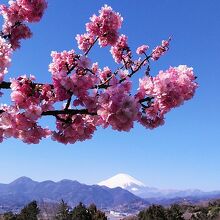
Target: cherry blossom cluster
(71, 75)
(14, 28)
(117, 107)
(29, 101)
(120, 51)
(75, 128)
(168, 90)
(34, 98)
(105, 26)
(5, 57)
(85, 41)
(14, 123)
(142, 49)
(90, 95)
(16, 14)
(160, 50)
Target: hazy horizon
(59, 180)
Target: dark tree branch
(69, 70)
(86, 53)
(134, 71)
(7, 85)
(147, 99)
(68, 102)
(64, 112)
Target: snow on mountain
(124, 181)
(140, 189)
(131, 184)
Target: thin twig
(7, 85)
(86, 53)
(68, 103)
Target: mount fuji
(131, 184)
(138, 188)
(124, 181)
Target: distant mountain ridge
(24, 190)
(121, 193)
(138, 188)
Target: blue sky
(184, 153)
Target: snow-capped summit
(131, 184)
(140, 189)
(124, 181)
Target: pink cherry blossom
(83, 62)
(23, 92)
(20, 11)
(174, 86)
(151, 123)
(79, 128)
(34, 99)
(142, 49)
(168, 89)
(33, 112)
(34, 134)
(85, 41)
(32, 10)
(62, 61)
(160, 50)
(17, 125)
(123, 74)
(19, 32)
(120, 50)
(95, 67)
(105, 74)
(5, 57)
(23, 10)
(118, 108)
(105, 26)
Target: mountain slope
(24, 190)
(140, 189)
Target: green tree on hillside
(95, 213)
(154, 212)
(63, 211)
(29, 212)
(9, 216)
(174, 212)
(200, 214)
(80, 212)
